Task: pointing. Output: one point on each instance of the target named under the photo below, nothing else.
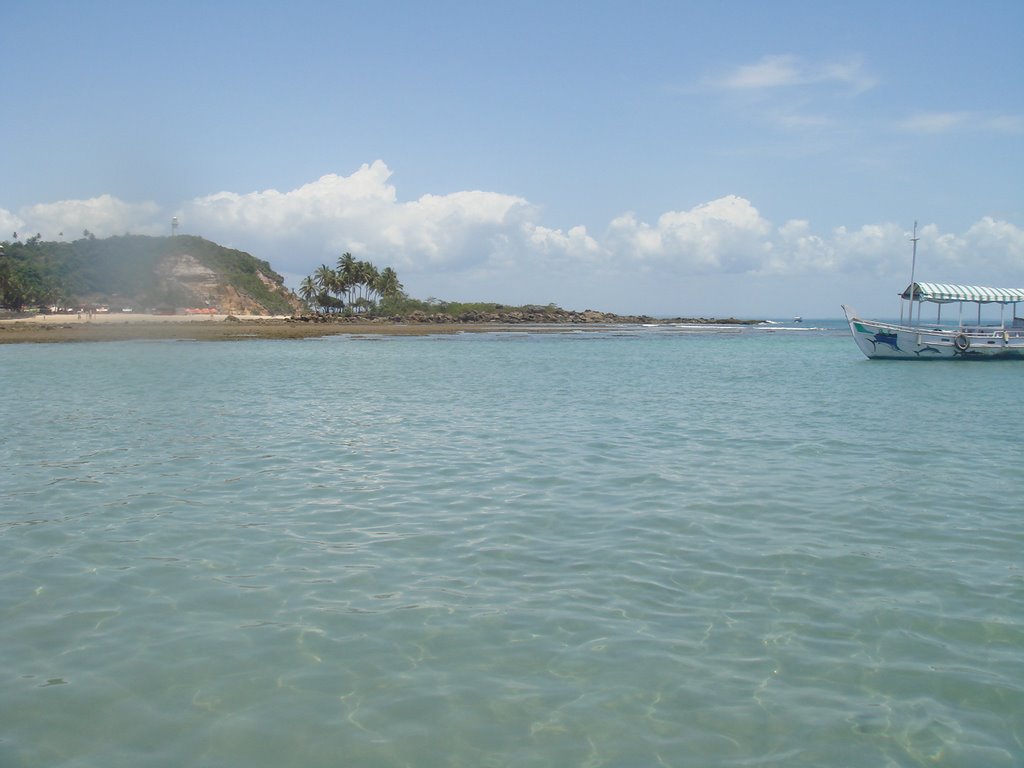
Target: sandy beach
(123, 327)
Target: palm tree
(326, 279)
(347, 271)
(388, 285)
(307, 289)
(368, 275)
(342, 287)
(360, 283)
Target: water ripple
(665, 549)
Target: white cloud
(575, 243)
(1011, 124)
(784, 71)
(724, 235)
(798, 250)
(488, 245)
(9, 224)
(282, 214)
(793, 94)
(769, 72)
(881, 250)
(933, 122)
(990, 252)
(948, 122)
(360, 213)
(995, 244)
(102, 216)
(851, 72)
(803, 122)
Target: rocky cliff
(183, 276)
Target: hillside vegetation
(139, 272)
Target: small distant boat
(915, 339)
(798, 319)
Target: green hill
(139, 272)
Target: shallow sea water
(622, 548)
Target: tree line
(39, 273)
(351, 286)
(31, 275)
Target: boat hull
(888, 341)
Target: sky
(743, 159)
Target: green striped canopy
(941, 293)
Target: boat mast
(913, 268)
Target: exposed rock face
(197, 285)
(185, 273)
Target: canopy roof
(941, 293)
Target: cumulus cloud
(987, 245)
(282, 214)
(478, 244)
(9, 223)
(798, 250)
(102, 216)
(990, 251)
(575, 243)
(361, 213)
(724, 235)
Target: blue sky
(728, 158)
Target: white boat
(967, 339)
(937, 341)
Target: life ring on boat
(962, 343)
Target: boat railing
(991, 327)
(974, 331)
(993, 331)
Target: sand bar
(138, 326)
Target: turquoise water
(631, 548)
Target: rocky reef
(527, 316)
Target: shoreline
(49, 329)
